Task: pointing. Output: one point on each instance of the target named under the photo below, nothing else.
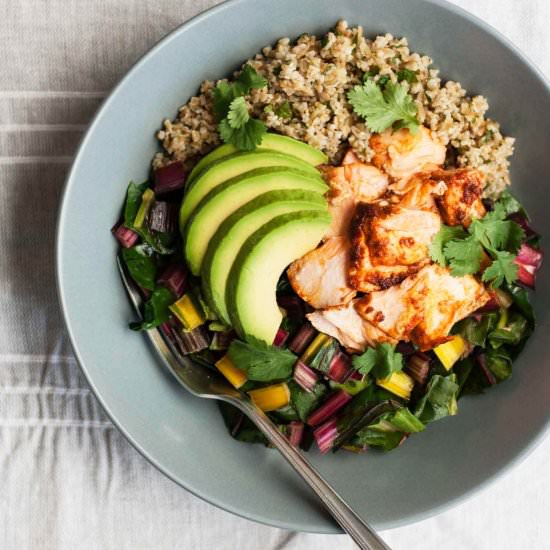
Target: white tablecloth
(68, 479)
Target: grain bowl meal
(331, 230)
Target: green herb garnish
(235, 124)
(261, 362)
(407, 75)
(463, 251)
(384, 106)
(380, 361)
(284, 111)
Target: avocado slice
(231, 166)
(233, 232)
(275, 142)
(252, 282)
(223, 200)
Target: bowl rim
(414, 517)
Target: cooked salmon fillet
(349, 184)
(421, 192)
(389, 243)
(401, 154)
(424, 307)
(461, 201)
(397, 310)
(399, 236)
(448, 300)
(348, 327)
(320, 277)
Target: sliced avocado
(233, 232)
(252, 281)
(275, 142)
(222, 201)
(231, 166)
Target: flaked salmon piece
(448, 300)
(349, 184)
(401, 154)
(424, 307)
(397, 310)
(400, 236)
(363, 275)
(455, 194)
(350, 157)
(421, 192)
(372, 278)
(320, 277)
(348, 327)
(388, 244)
(461, 201)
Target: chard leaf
(133, 202)
(405, 421)
(386, 441)
(141, 265)
(439, 400)
(305, 402)
(155, 310)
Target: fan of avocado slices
(210, 249)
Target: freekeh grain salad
(330, 229)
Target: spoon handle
(364, 535)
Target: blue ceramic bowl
(184, 436)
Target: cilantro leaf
(445, 234)
(249, 79)
(384, 108)
(246, 138)
(238, 115)
(503, 268)
(261, 362)
(464, 256)
(494, 233)
(365, 362)
(224, 94)
(407, 75)
(284, 111)
(235, 125)
(497, 213)
(498, 236)
(381, 361)
(510, 204)
(515, 236)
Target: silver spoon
(202, 382)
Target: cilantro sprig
(239, 129)
(262, 363)
(380, 361)
(234, 122)
(495, 236)
(384, 106)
